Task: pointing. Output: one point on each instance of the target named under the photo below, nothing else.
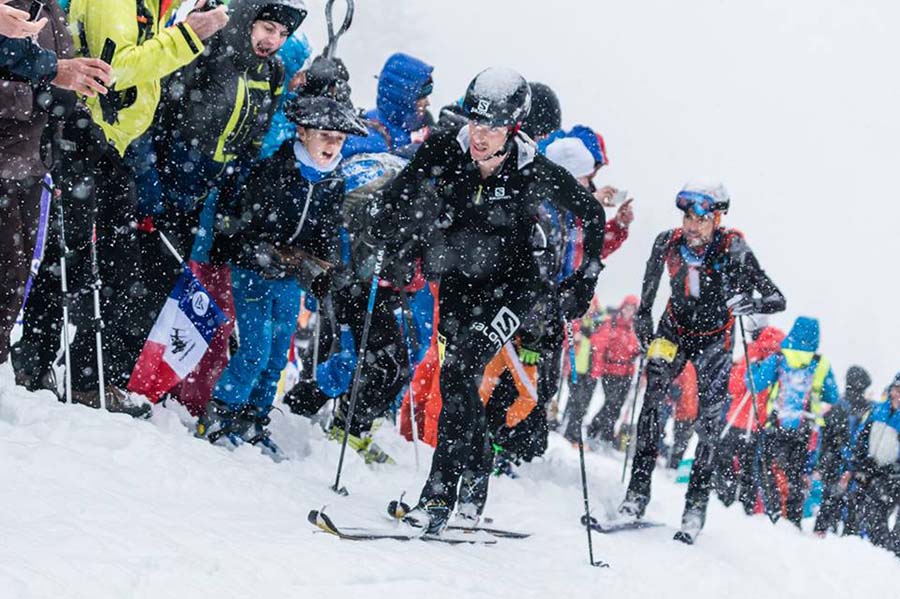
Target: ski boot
(117, 401)
(633, 506)
(691, 524)
(221, 421)
(505, 462)
(256, 432)
(368, 450)
(430, 515)
(473, 490)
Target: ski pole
(333, 36)
(37, 256)
(751, 385)
(64, 288)
(637, 390)
(588, 521)
(412, 351)
(98, 319)
(401, 322)
(730, 422)
(348, 419)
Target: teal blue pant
(267, 312)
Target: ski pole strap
(373, 290)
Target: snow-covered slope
(97, 505)
(792, 104)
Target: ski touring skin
(324, 523)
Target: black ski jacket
(274, 212)
(221, 104)
(728, 268)
(482, 228)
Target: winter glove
(529, 356)
(327, 77)
(575, 294)
(364, 255)
(744, 305)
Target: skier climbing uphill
(713, 275)
(488, 182)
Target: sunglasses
(700, 203)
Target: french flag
(179, 338)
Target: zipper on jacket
(299, 228)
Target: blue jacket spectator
(403, 82)
(800, 378)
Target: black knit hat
(286, 15)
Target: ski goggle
(699, 203)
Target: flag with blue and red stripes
(179, 338)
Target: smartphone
(109, 50)
(35, 10)
(620, 196)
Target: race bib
(662, 348)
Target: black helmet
(498, 97)
(321, 112)
(546, 115)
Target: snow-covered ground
(96, 505)
(793, 104)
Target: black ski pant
(19, 210)
(34, 353)
(580, 395)
(735, 467)
(881, 498)
(477, 318)
(683, 430)
(615, 394)
(833, 497)
(711, 355)
(787, 448)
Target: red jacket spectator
(740, 412)
(615, 346)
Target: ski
(611, 527)
(323, 522)
(397, 509)
(684, 537)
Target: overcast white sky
(794, 105)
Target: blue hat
(593, 141)
(804, 335)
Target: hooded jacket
(879, 439)
(22, 120)
(400, 85)
(800, 379)
(221, 104)
(146, 51)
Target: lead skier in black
(713, 275)
(472, 194)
